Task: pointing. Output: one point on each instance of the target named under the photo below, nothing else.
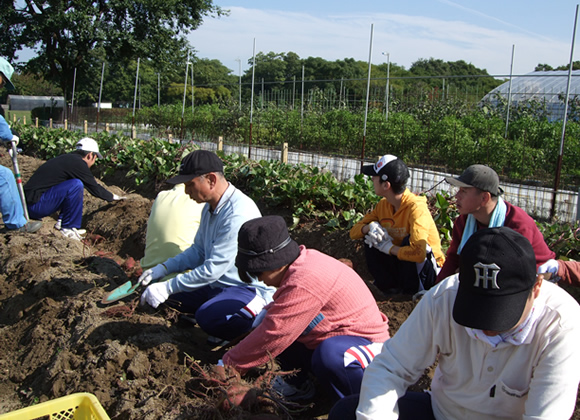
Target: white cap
(89, 145)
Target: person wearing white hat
(57, 186)
(11, 205)
(404, 249)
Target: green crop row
(302, 192)
(454, 141)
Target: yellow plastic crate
(80, 406)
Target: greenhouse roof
(545, 86)
(539, 85)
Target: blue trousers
(330, 363)
(66, 198)
(412, 406)
(220, 312)
(10, 203)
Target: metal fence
(536, 201)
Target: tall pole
(367, 100)
(158, 90)
(387, 89)
(192, 88)
(561, 154)
(239, 83)
(184, 93)
(252, 98)
(100, 92)
(507, 117)
(135, 97)
(72, 104)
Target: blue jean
(66, 197)
(327, 364)
(10, 203)
(218, 311)
(412, 406)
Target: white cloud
(407, 38)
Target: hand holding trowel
(126, 289)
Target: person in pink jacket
(323, 319)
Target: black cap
(497, 272)
(264, 244)
(389, 168)
(197, 163)
(479, 176)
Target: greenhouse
(548, 88)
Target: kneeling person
(323, 319)
(222, 304)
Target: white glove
(550, 266)
(154, 273)
(117, 198)
(156, 294)
(15, 139)
(385, 245)
(377, 231)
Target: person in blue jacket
(209, 286)
(11, 205)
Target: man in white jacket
(505, 342)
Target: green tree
(72, 34)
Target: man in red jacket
(480, 206)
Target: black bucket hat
(497, 272)
(264, 244)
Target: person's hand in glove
(551, 267)
(156, 294)
(385, 245)
(375, 234)
(154, 273)
(15, 139)
(117, 198)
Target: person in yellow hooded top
(404, 250)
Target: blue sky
(479, 32)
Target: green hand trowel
(120, 292)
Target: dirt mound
(57, 338)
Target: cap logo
(486, 275)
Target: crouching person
(323, 319)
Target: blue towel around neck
(497, 220)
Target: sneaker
(72, 233)
(292, 393)
(30, 227)
(58, 224)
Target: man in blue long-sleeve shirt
(11, 206)
(224, 306)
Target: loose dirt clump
(57, 338)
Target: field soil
(58, 338)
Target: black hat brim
(489, 312)
(369, 170)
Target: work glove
(385, 245)
(551, 267)
(15, 139)
(156, 294)
(117, 198)
(375, 234)
(154, 273)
